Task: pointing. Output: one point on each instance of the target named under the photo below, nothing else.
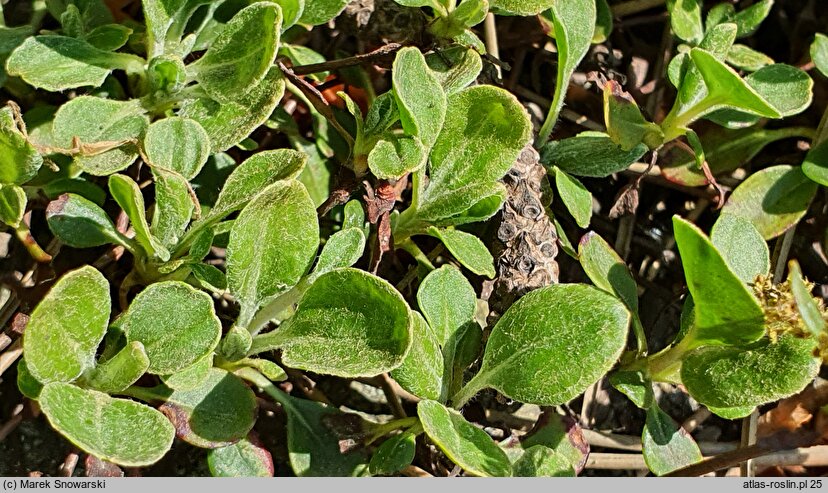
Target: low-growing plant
(241, 279)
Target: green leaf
(128, 195)
(191, 377)
(26, 382)
(635, 385)
(109, 37)
(78, 186)
(67, 326)
(607, 270)
(455, 67)
(809, 309)
(91, 13)
(539, 461)
(468, 249)
(349, 323)
(313, 444)
(551, 345)
(737, 377)
(321, 11)
(746, 58)
(685, 19)
(177, 149)
(448, 302)
(815, 165)
(521, 7)
(575, 196)
(218, 413)
(464, 444)
(272, 245)
(773, 199)
(107, 123)
(246, 458)
(394, 454)
(419, 96)
(590, 154)
(176, 323)
(819, 53)
(574, 26)
(726, 89)
(80, 223)
(666, 445)
(166, 21)
(422, 370)
(485, 129)
(57, 63)
(241, 55)
(117, 430)
(120, 371)
(395, 156)
(253, 176)
(19, 160)
(626, 125)
(788, 89)
(749, 18)
(718, 14)
(732, 412)
(742, 247)
(12, 204)
(209, 277)
(726, 312)
(353, 215)
(343, 249)
(603, 21)
(232, 120)
(563, 435)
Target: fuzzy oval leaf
(219, 412)
(809, 308)
(244, 459)
(746, 58)
(321, 11)
(786, 88)
(485, 129)
(749, 18)
(819, 53)
(576, 198)
(666, 445)
(590, 154)
(539, 461)
(232, 120)
(815, 165)
(242, 54)
(394, 454)
(395, 156)
(552, 344)
(626, 126)
(272, 244)
(19, 160)
(67, 326)
(79, 223)
(176, 323)
(726, 312)
(109, 127)
(314, 444)
(254, 175)
(607, 270)
(468, 249)
(343, 249)
(117, 430)
(190, 377)
(349, 323)
(635, 385)
(177, 144)
(685, 19)
(455, 67)
(12, 204)
(773, 199)
(466, 445)
(120, 371)
(57, 63)
(448, 302)
(419, 95)
(421, 372)
(742, 247)
(26, 382)
(736, 377)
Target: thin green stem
(266, 342)
(2, 16)
(145, 394)
(409, 246)
(396, 424)
(554, 112)
(28, 241)
(459, 399)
